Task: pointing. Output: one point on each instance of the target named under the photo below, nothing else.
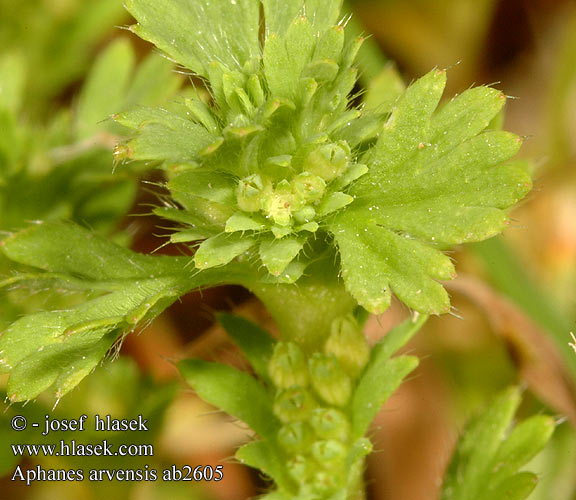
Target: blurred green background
(66, 66)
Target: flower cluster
(313, 403)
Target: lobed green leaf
(218, 30)
(59, 366)
(383, 375)
(524, 442)
(221, 249)
(376, 385)
(241, 221)
(254, 342)
(433, 179)
(277, 254)
(261, 455)
(375, 260)
(280, 14)
(114, 85)
(137, 288)
(103, 93)
(205, 183)
(164, 136)
(516, 487)
(230, 389)
(285, 57)
(66, 248)
(470, 470)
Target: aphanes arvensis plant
(281, 180)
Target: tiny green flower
(300, 468)
(279, 204)
(328, 161)
(329, 452)
(324, 482)
(348, 345)
(329, 380)
(294, 405)
(251, 193)
(309, 188)
(288, 366)
(295, 437)
(330, 423)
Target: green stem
(316, 368)
(305, 311)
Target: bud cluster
(313, 394)
(291, 204)
(265, 159)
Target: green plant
(62, 167)
(322, 207)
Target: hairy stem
(305, 311)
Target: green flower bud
(300, 468)
(327, 160)
(251, 193)
(324, 482)
(329, 380)
(293, 405)
(348, 345)
(279, 204)
(308, 187)
(330, 423)
(305, 214)
(329, 452)
(288, 366)
(295, 437)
